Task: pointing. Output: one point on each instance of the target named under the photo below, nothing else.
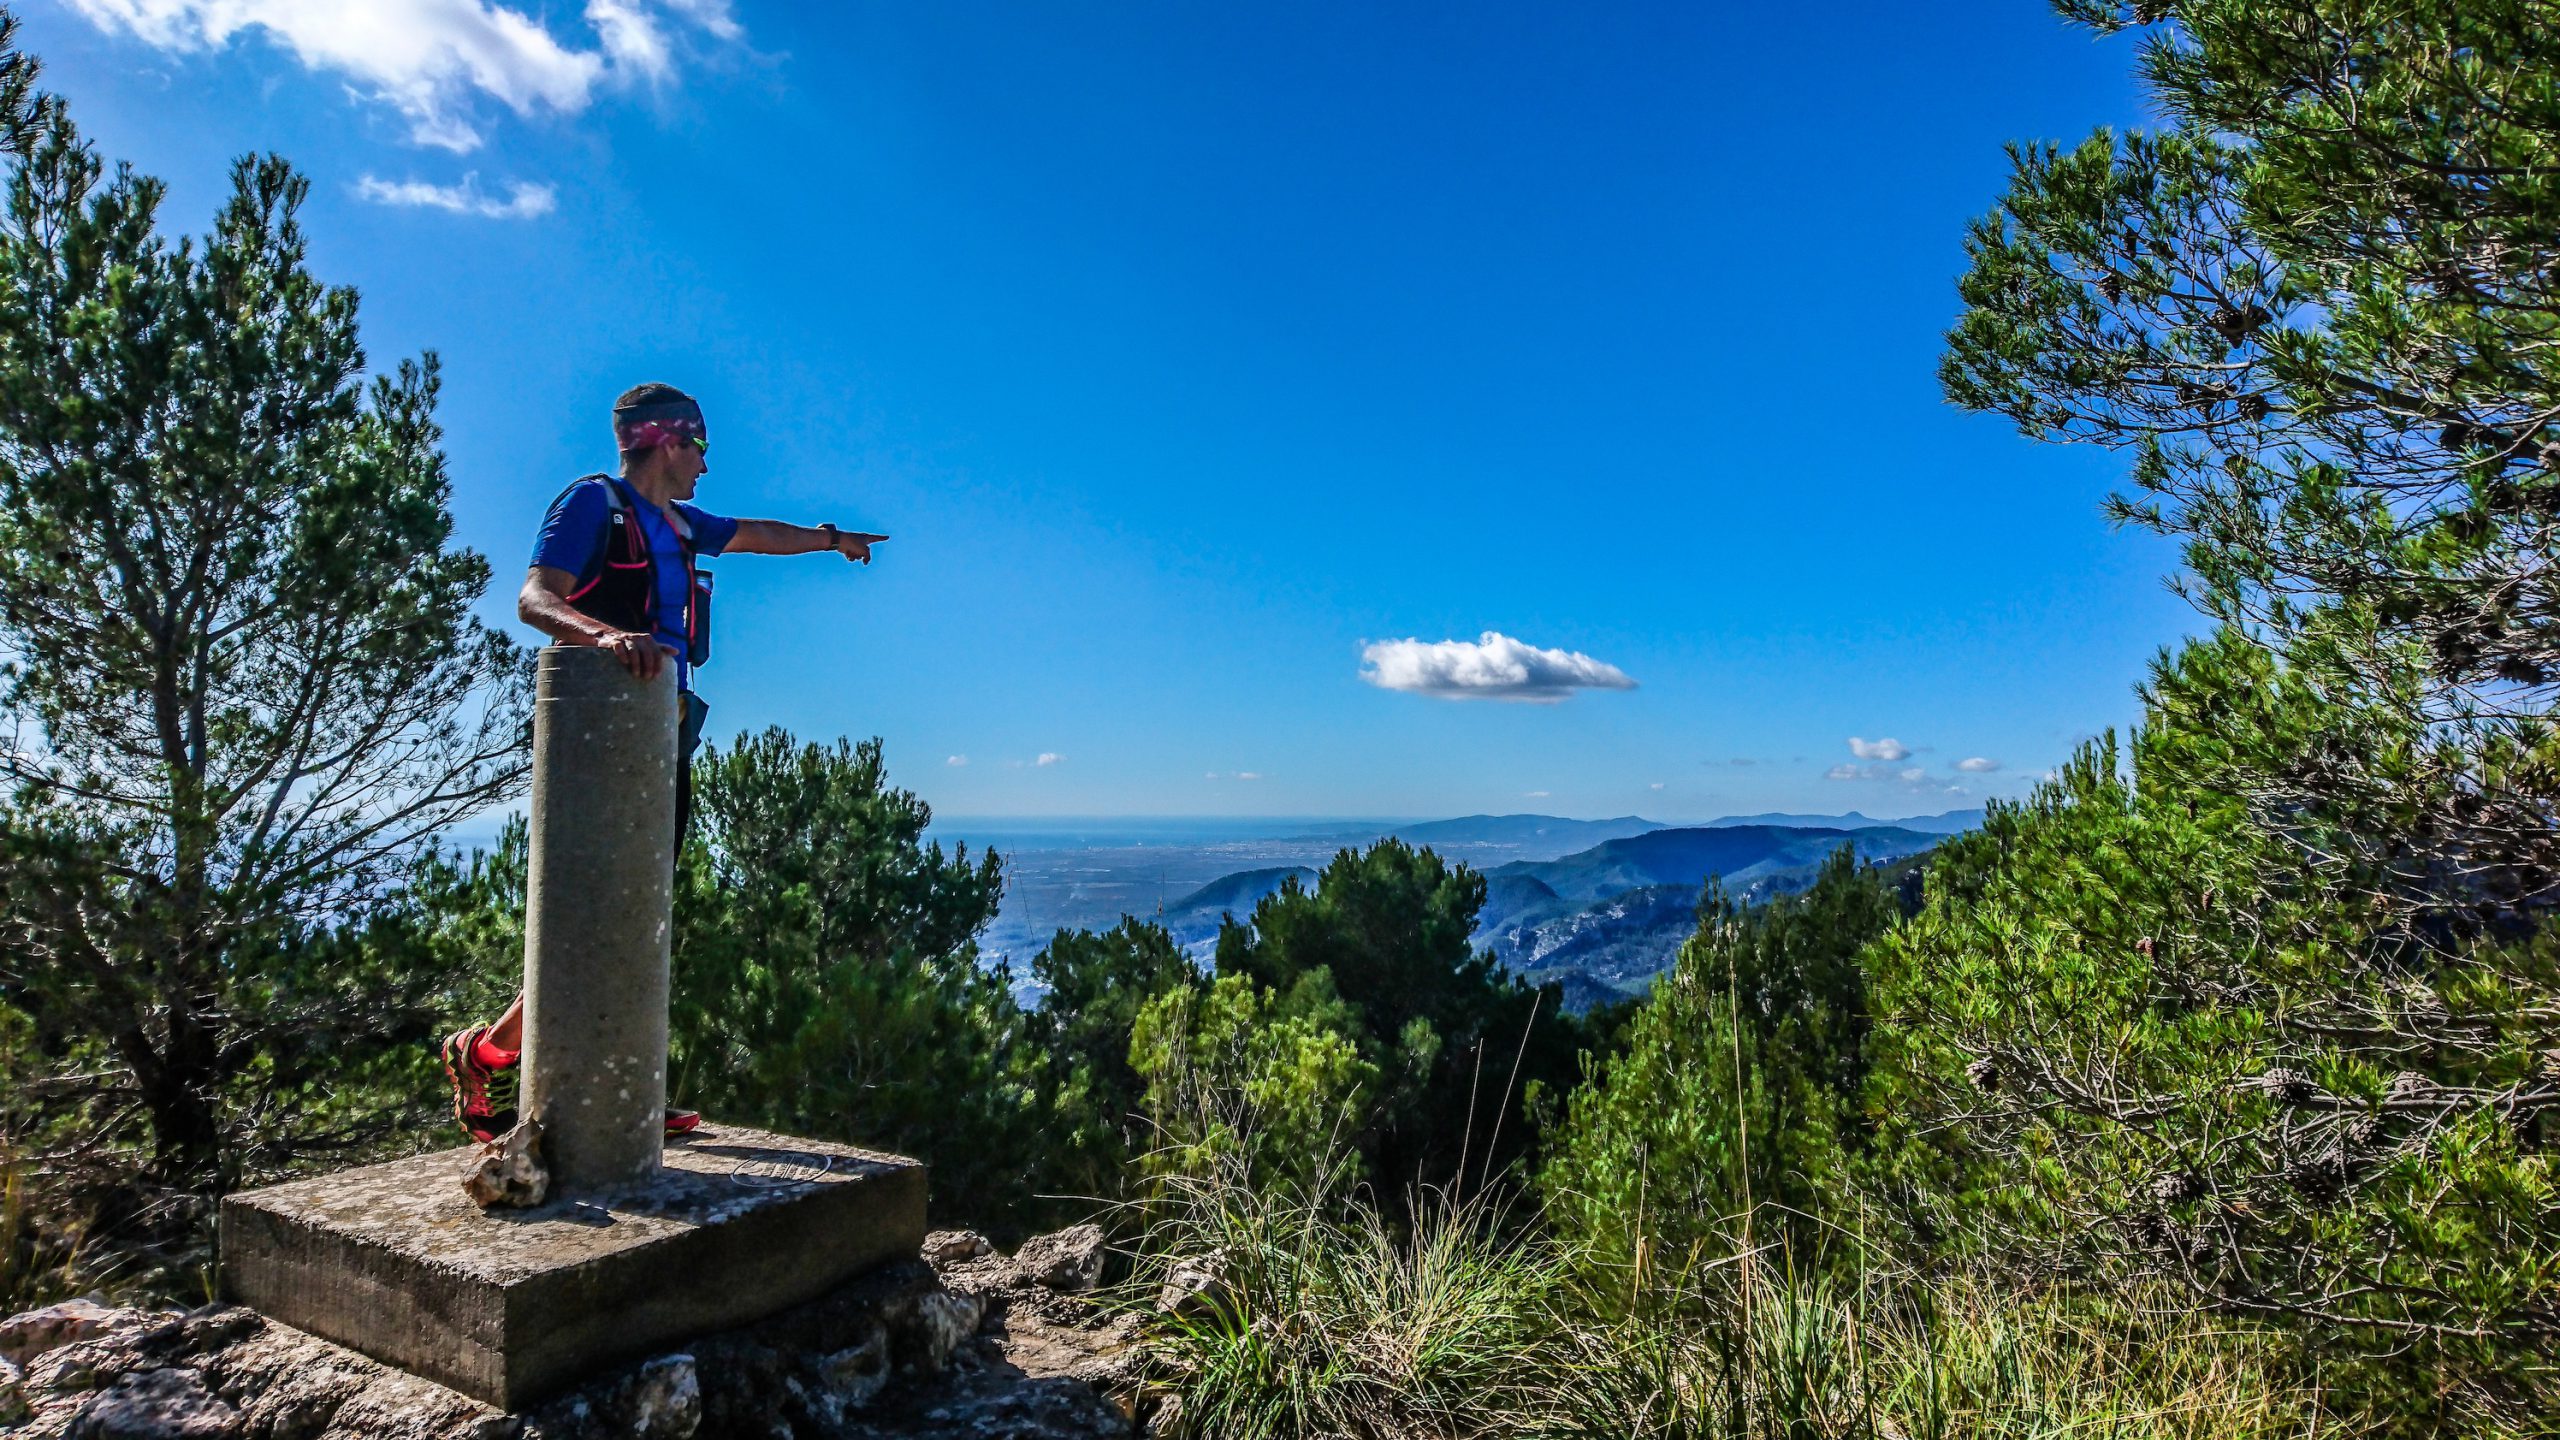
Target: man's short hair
(655, 392)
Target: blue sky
(1196, 356)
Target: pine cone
(2178, 1187)
(2319, 1179)
(2291, 1086)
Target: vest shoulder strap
(613, 499)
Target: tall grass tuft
(1335, 1319)
(1329, 1320)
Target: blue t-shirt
(573, 534)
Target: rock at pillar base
(507, 1173)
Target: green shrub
(1697, 1119)
(1265, 1085)
(1460, 1044)
(2134, 1032)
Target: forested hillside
(2213, 1090)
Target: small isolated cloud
(1841, 771)
(1887, 749)
(1048, 758)
(430, 60)
(956, 760)
(1912, 776)
(523, 202)
(1977, 765)
(1656, 785)
(1534, 794)
(1234, 775)
(1495, 667)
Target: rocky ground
(962, 1342)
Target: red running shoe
(681, 1122)
(484, 1096)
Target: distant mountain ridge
(1239, 892)
(1738, 853)
(1603, 920)
(1598, 905)
(1544, 836)
(1953, 822)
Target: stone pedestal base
(395, 1262)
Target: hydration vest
(623, 590)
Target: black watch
(831, 538)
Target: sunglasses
(701, 443)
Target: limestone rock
(894, 1355)
(1069, 1261)
(944, 1247)
(508, 1172)
(662, 1401)
(943, 1322)
(1019, 1409)
(13, 1393)
(1195, 1287)
(846, 1381)
(165, 1404)
(25, 1336)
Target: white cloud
(1977, 765)
(1913, 776)
(1657, 785)
(1842, 771)
(1495, 667)
(1887, 749)
(957, 760)
(1233, 775)
(1535, 794)
(523, 202)
(427, 59)
(1049, 757)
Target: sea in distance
(1085, 872)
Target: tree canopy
(243, 677)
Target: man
(614, 567)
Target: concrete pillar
(596, 917)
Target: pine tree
(2317, 310)
(242, 675)
(827, 980)
(1462, 1045)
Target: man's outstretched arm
(543, 603)
(780, 537)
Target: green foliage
(2135, 1032)
(1459, 1044)
(243, 681)
(1236, 1074)
(827, 979)
(2272, 1014)
(1093, 1096)
(1698, 1122)
(24, 109)
(2317, 310)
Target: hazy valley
(1598, 906)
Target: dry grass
(1342, 1323)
